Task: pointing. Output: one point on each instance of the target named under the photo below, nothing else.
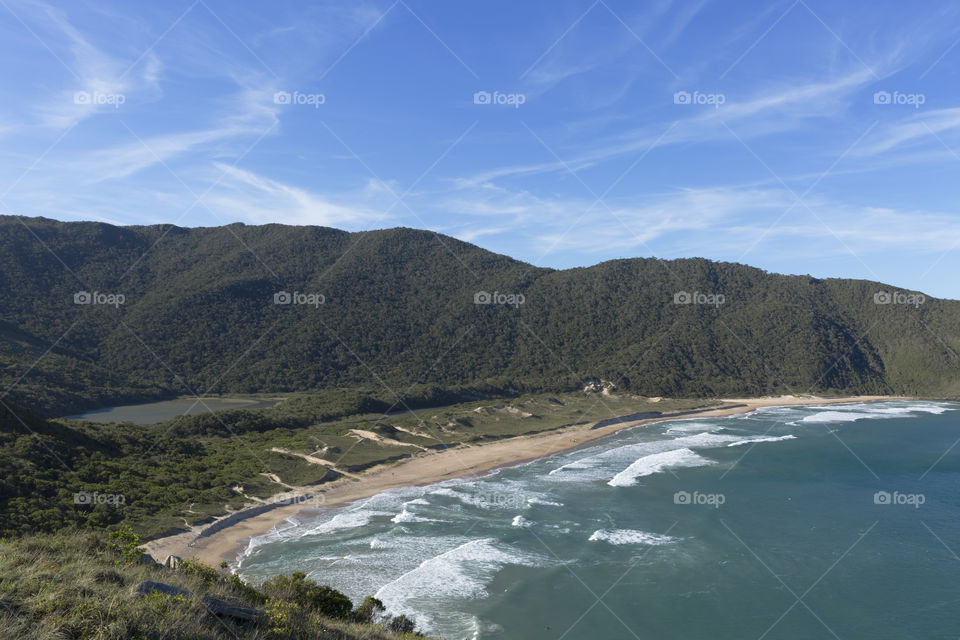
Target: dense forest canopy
(274, 308)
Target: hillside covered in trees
(176, 311)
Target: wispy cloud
(253, 198)
(923, 126)
(95, 80)
(784, 108)
(720, 222)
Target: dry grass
(75, 586)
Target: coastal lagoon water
(839, 521)
(152, 412)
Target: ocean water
(839, 521)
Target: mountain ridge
(398, 308)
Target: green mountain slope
(199, 315)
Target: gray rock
(173, 562)
(212, 605)
(149, 560)
(224, 608)
(149, 586)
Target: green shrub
(369, 608)
(401, 624)
(127, 543)
(297, 588)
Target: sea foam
(520, 521)
(694, 427)
(461, 573)
(618, 455)
(739, 443)
(657, 462)
(631, 536)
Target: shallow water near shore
(788, 522)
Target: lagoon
(152, 412)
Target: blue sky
(801, 137)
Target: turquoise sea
(839, 521)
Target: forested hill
(194, 310)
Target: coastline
(227, 542)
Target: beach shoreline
(228, 542)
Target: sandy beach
(428, 468)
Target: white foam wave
(832, 413)
(426, 593)
(405, 516)
(278, 532)
(694, 427)
(595, 463)
(825, 417)
(631, 536)
(705, 440)
(739, 443)
(657, 462)
(345, 520)
(544, 502)
(915, 408)
(520, 521)
(570, 466)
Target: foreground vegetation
(84, 586)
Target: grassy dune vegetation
(186, 471)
